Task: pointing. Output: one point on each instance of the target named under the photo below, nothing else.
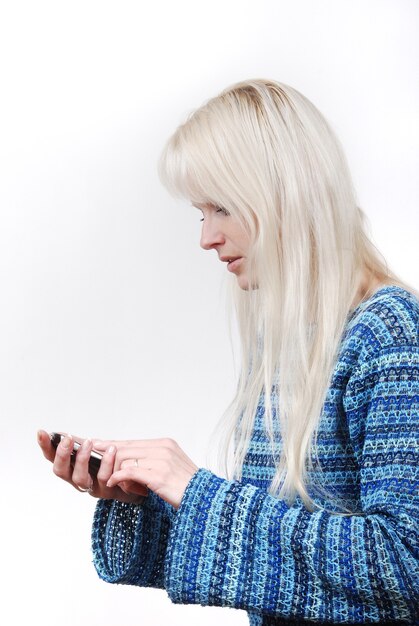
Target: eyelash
(219, 210)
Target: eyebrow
(204, 205)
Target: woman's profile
(313, 517)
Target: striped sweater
(232, 544)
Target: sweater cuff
(198, 542)
(129, 541)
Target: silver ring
(82, 489)
(85, 489)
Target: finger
(62, 460)
(81, 477)
(166, 442)
(107, 465)
(167, 460)
(44, 443)
(102, 444)
(131, 473)
(144, 452)
(130, 487)
(127, 457)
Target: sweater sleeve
(129, 541)
(235, 545)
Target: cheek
(242, 240)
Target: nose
(211, 235)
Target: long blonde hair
(264, 152)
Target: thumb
(130, 486)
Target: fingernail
(86, 444)
(39, 436)
(108, 484)
(66, 442)
(110, 450)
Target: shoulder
(388, 320)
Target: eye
(218, 209)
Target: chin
(243, 283)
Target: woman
(318, 518)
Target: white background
(112, 319)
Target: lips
(229, 259)
(234, 264)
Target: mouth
(229, 259)
(232, 263)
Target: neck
(368, 286)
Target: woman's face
(224, 233)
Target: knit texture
(232, 544)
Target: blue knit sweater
(232, 544)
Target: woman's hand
(79, 476)
(156, 464)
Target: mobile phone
(95, 457)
